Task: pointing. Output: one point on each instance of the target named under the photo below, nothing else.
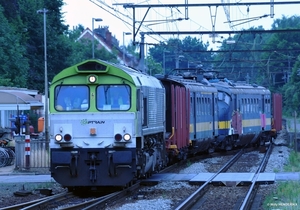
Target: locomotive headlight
(58, 137)
(127, 137)
(92, 78)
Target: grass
(287, 194)
(294, 162)
(188, 163)
(285, 197)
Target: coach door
(193, 117)
(214, 104)
(264, 100)
(236, 122)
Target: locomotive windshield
(222, 96)
(113, 97)
(71, 98)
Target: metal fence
(39, 156)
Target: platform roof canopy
(18, 100)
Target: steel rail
(64, 195)
(192, 199)
(90, 203)
(254, 187)
(30, 203)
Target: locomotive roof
(139, 78)
(98, 67)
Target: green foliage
(287, 194)
(57, 49)
(13, 63)
(294, 162)
(188, 163)
(285, 197)
(282, 60)
(153, 67)
(291, 91)
(178, 54)
(240, 59)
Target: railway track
(68, 200)
(34, 204)
(250, 196)
(196, 200)
(118, 197)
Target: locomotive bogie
(93, 167)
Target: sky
(119, 20)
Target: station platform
(227, 179)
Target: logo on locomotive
(87, 122)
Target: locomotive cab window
(113, 97)
(71, 98)
(224, 97)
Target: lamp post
(93, 40)
(124, 33)
(44, 11)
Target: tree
(283, 62)
(57, 48)
(283, 51)
(178, 53)
(240, 57)
(14, 64)
(153, 67)
(22, 43)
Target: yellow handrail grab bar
(172, 134)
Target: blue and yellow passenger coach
(107, 125)
(244, 113)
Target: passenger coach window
(113, 97)
(71, 98)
